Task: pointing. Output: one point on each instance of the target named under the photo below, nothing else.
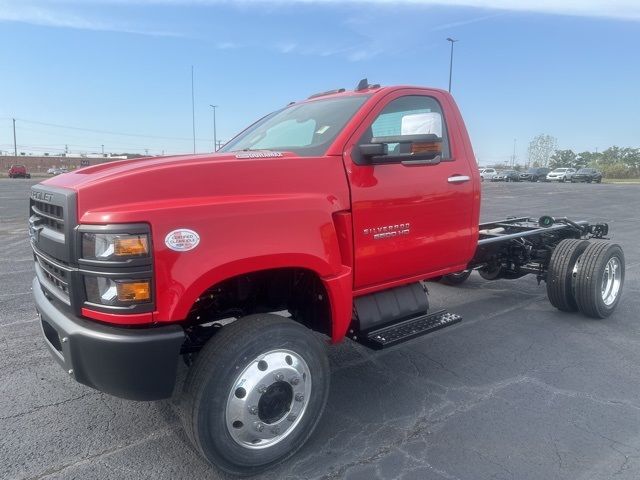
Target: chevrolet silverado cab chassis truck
(321, 220)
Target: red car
(334, 210)
(18, 171)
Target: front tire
(255, 393)
(599, 279)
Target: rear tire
(457, 278)
(599, 279)
(560, 273)
(255, 393)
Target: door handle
(458, 179)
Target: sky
(88, 73)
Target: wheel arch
(329, 314)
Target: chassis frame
(518, 246)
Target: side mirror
(373, 149)
(408, 149)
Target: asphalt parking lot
(517, 390)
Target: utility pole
(193, 112)
(102, 149)
(215, 137)
(513, 157)
(15, 145)
(449, 39)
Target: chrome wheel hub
(611, 280)
(268, 399)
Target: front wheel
(255, 393)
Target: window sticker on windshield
(321, 130)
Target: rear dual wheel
(599, 279)
(255, 393)
(586, 276)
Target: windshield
(586, 170)
(306, 129)
(560, 170)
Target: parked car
(561, 174)
(506, 176)
(487, 173)
(535, 174)
(58, 171)
(587, 175)
(52, 171)
(18, 171)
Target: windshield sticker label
(323, 129)
(182, 240)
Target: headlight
(106, 291)
(114, 246)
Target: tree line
(614, 162)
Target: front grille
(55, 275)
(51, 216)
(51, 221)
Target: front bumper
(136, 364)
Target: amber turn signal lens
(134, 291)
(130, 246)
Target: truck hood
(124, 191)
(82, 177)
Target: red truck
(18, 171)
(320, 220)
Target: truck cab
(333, 210)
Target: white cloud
(620, 9)
(39, 14)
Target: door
(413, 220)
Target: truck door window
(410, 115)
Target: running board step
(408, 329)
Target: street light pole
(15, 145)
(449, 39)
(193, 112)
(215, 136)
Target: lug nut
(259, 426)
(294, 381)
(71, 371)
(276, 430)
(262, 389)
(279, 377)
(65, 339)
(253, 410)
(292, 417)
(299, 397)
